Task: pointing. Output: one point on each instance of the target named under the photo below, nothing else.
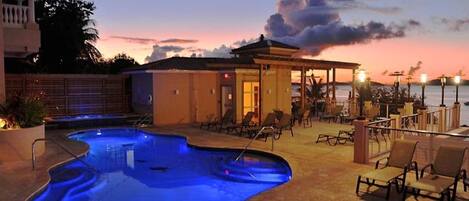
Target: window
(251, 98)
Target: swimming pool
(136, 165)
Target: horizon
(401, 33)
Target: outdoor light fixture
(176, 92)
(361, 80)
(423, 81)
(443, 84)
(457, 81)
(212, 91)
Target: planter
(15, 144)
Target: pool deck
(320, 171)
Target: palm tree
(68, 35)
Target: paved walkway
(320, 171)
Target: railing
(18, 15)
(409, 121)
(380, 140)
(142, 120)
(255, 137)
(429, 142)
(33, 157)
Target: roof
(195, 63)
(265, 44)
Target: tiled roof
(265, 44)
(194, 63)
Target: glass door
(226, 99)
(251, 99)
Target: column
(360, 143)
(333, 84)
(303, 87)
(260, 93)
(31, 17)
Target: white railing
(18, 15)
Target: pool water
(135, 165)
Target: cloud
(179, 40)
(137, 40)
(414, 69)
(224, 50)
(146, 41)
(161, 52)
(455, 24)
(315, 25)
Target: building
(20, 35)
(183, 90)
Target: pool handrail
(254, 138)
(33, 157)
(140, 121)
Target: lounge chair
(334, 114)
(285, 123)
(245, 123)
(398, 164)
(341, 138)
(268, 121)
(227, 119)
(443, 176)
(211, 119)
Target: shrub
(23, 112)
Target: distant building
(257, 78)
(20, 35)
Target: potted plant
(21, 122)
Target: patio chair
(211, 119)
(284, 123)
(398, 164)
(443, 176)
(334, 114)
(307, 119)
(227, 119)
(245, 123)
(333, 139)
(298, 116)
(268, 121)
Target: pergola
(304, 65)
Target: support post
(260, 93)
(360, 145)
(442, 119)
(395, 124)
(422, 118)
(333, 84)
(456, 118)
(303, 87)
(31, 14)
(353, 99)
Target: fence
(74, 94)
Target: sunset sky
(434, 32)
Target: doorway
(226, 99)
(251, 99)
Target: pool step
(263, 172)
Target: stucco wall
(182, 98)
(2, 60)
(142, 88)
(276, 89)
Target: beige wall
(182, 98)
(20, 42)
(2, 60)
(276, 89)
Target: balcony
(21, 33)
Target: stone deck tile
(320, 172)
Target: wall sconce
(230, 96)
(287, 90)
(212, 91)
(176, 92)
(269, 91)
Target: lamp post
(361, 80)
(423, 81)
(443, 84)
(397, 80)
(457, 81)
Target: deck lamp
(423, 81)
(457, 81)
(361, 80)
(443, 84)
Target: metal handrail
(142, 119)
(33, 158)
(252, 140)
(421, 131)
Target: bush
(23, 112)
